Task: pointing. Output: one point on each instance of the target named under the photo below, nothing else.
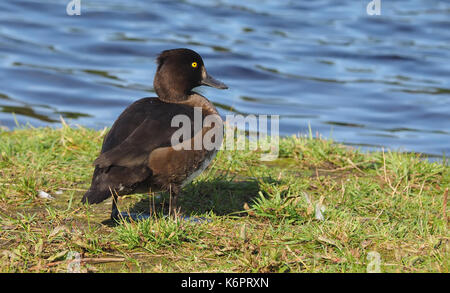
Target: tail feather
(117, 179)
(95, 196)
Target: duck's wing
(136, 148)
(130, 119)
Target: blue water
(371, 81)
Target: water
(371, 81)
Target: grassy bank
(320, 207)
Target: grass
(320, 207)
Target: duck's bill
(212, 82)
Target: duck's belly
(204, 164)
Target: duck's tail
(95, 196)
(98, 192)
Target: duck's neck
(196, 100)
(169, 93)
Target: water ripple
(370, 81)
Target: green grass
(259, 216)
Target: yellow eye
(194, 64)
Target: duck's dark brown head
(178, 72)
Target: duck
(139, 153)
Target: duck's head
(178, 72)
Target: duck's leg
(128, 216)
(117, 216)
(114, 210)
(174, 210)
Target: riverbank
(320, 207)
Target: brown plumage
(137, 154)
